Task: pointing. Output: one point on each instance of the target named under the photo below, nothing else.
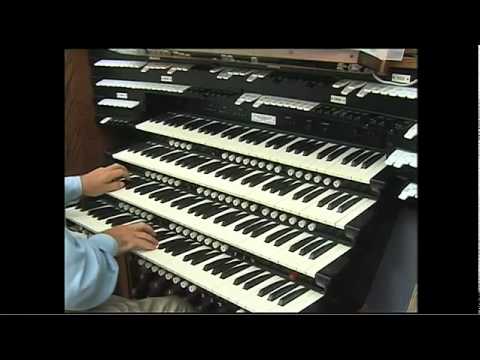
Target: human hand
(103, 179)
(138, 236)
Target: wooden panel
(85, 143)
(327, 55)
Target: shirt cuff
(77, 187)
(105, 242)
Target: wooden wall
(85, 143)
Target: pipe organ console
(271, 189)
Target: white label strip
(411, 133)
(105, 120)
(128, 104)
(264, 119)
(166, 78)
(401, 78)
(409, 191)
(120, 63)
(143, 85)
(338, 99)
(400, 158)
(122, 95)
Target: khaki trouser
(164, 304)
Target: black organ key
(186, 160)
(171, 196)
(233, 133)
(286, 238)
(227, 216)
(364, 156)
(277, 234)
(303, 192)
(227, 273)
(333, 155)
(327, 151)
(290, 187)
(293, 146)
(139, 147)
(280, 292)
(165, 235)
(168, 244)
(252, 178)
(264, 291)
(263, 137)
(282, 141)
(162, 192)
(148, 188)
(208, 168)
(208, 256)
(240, 174)
(226, 171)
(329, 198)
(281, 185)
(195, 124)
(221, 268)
(113, 213)
(351, 156)
(248, 136)
(301, 243)
(247, 276)
(263, 230)
(312, 148)
(186, 201)
(214, 212)
(134, 182)
(244, 224)
(279, 139)
(370, 161)
(312, 246)
(254, 282)
(157, 152)
(272, 183)
(88, 203)
(176, 244)
(338, 201)
(170, 158)
(320, 251)
(215, 263)
(255, 226)
(314, 194)
(199, 207)
(292, 296)
(120, 220)
(348, 204)
(235, 219)
(197, 254)
(100, 211)
(197, 162)
(185, 249)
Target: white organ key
(309, 162)
(225, 234)
(255, 194)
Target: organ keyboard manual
(273, 184)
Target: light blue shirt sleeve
(91, 270)
(73, 189)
